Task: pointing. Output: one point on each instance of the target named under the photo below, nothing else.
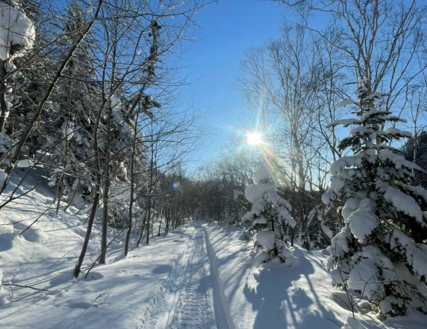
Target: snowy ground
(199, 277)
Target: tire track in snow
(163, 301)
(192, 296)
(194, 308)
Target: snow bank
(276, 296)
(113, 296)
(16, 29)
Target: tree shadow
(280, 305)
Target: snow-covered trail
(191, 298)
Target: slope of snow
(113, 296)
(200, 277)
(276, 296)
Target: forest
(118, 210)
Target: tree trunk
(106, 192)
(148, 222)
(71, 198)
(167, 218)
(3, 89)
(77, 269)
(132, 187)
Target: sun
(254, 138)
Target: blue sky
(228, 29)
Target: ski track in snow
(190, 298)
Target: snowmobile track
(190, 297)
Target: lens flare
(254, 138)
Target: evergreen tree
(269, 218)
(380, 253)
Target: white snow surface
(255, 192)
(266, 239)
(277, 296)
(25, 163)
(200, 276)
(363, 220)
(15, 29)
(404, 203)
(340, 164)
(363, 277)
(353, 323)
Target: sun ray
(254, 138)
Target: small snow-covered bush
(268, 218)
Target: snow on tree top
(16, 29)
(263, 174)
(255, 192)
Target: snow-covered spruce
(17, 32)
(17, 36)
(381, 251)
(268, 219)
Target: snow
(263, 174)
(404, 203)
(339, 243)
(340, 164)
(25, 163)
(375, 254)
(363, 220)
(352, 323)
(398, 132)
(418, 190)
(113, 296)
(414, 255)
(255, 192)
(326, 230)
(398, 160)
(345, 103)
(200, 276)
(277, 296)
(360, 130)
(266, 239)
(364, 278)
(15, 29)
(343, 122)
(328, 196)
